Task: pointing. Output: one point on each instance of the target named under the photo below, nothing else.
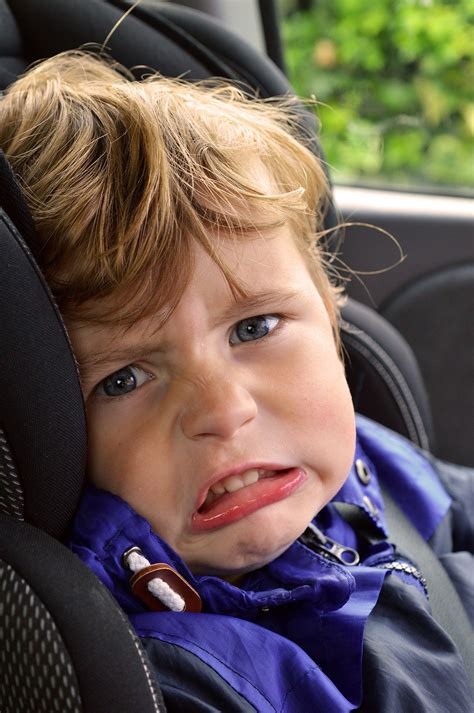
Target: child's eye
(253, 328)
(123, 381)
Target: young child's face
(230, 427)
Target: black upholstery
(383, 375)
(41, 411)
(429, 313)
(42, 424)
(12, 55)
(85, 644)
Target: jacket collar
(105, 527)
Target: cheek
(120, 457)
(311, 379)
(135, 462)
(318, 408)
(133, 467)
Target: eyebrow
(90, 363)
(255, 303)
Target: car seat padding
(111, 668)
(41, 406)
(69, 25)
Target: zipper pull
(330, 548)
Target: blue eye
(252, 328)
(122, 382)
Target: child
(179, 231)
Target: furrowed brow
(256, 304)
(89, 364)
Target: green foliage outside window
(394, 82)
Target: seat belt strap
(446, 606)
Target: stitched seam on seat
(396, 382)
(148, 674)
(12, 500)
(143, 660)
(397, 393)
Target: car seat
(44, 590)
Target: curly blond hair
(122, 176)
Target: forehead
(270, 256)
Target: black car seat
(42, 422)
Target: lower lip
(234, 506)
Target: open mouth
(234, 483)
(237, 496)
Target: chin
(241, 558)
(252, 543)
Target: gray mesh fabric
(11, 493)
(36, 675)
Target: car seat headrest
(42, 417)
(12, 60)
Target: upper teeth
(235, 482)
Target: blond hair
(122, 176)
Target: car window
(394, 86)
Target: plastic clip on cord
(160, 586)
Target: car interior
(57, 622)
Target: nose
(217, 406)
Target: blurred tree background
(394, 83)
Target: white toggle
(156, 586)
(136, 561)
(166, 595)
